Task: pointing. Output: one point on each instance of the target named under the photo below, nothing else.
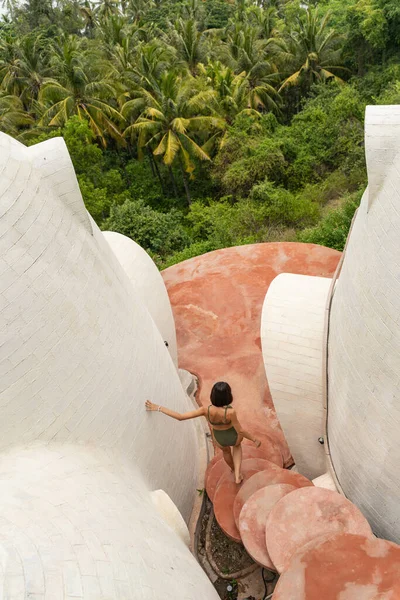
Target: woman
(225, 427)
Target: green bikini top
(225, 422)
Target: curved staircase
(281, 518)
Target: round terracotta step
(253, 519)
(270, 476)
(342, 567)
(269, 449)
(217, 467)
(216, 458)
(226, 491)
(306, 514)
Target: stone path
(343, 567)
(217, 300)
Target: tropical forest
(195, 125)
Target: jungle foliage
(199, 124)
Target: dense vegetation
(199, 124)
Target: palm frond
(193, 148)
(171, 149)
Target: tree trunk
(361, 59)
(173, 182)
(185, 183)
(156, 171)
(151, 162)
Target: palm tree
(250, 55)
(88, 13)
(152, 61)
(168, 125)
(135, 9)
(9, 7)
(189, 42)
(80, 89)
(242, 9)
(9, 65)
(13, 116)
(310, 53)
(191, 10)
(226, 93)
(123, 55)
(23, 67)
(104, 9)
(113, 30)
(33, 67)
(265, 19)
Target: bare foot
(239, 479)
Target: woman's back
(220, 417)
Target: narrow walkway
(217, 300)
(320, 542)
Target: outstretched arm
(241, 431)
(193, 414)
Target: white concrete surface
(364, 339)
(148, 283)
(53, 160)
(292, 328)
(325, 481)
(382, 133)
(78, 524)
(79, 355)
(170, 515)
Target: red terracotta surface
(343, 567)
(224, 496)
(216, 458)
(306, 514)
(253, 519)
(269, 449)
(262, 479)
(217, 467)
(217, 300)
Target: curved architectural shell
(148, 283)
(79, 355)
(292, 328)
(364, 339)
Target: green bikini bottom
(226, 437)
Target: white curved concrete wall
(75, 523)
(364, 339)
(148, 283)
(170, 515)
(55, 164)
(79, 355)
(292, 331)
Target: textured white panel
(79, 351)
(325, 481)
(148, 283)
(170, 514)
(382, 133)
(75, 523)
(292, 329)
(79, 355)
(364, 346)
(53, 159)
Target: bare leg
(226, 452)
(237, 461)
(228, 457)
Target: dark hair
(221, 394)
